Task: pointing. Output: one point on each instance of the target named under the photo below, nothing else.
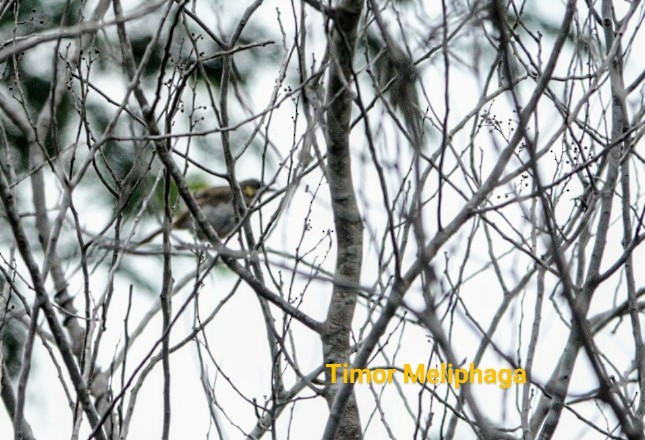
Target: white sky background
(237, 338)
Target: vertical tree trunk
(347, 218)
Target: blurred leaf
(12, 336)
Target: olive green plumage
(217, 204)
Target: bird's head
(250, 187)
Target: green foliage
(12, 336)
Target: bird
(217, 203)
